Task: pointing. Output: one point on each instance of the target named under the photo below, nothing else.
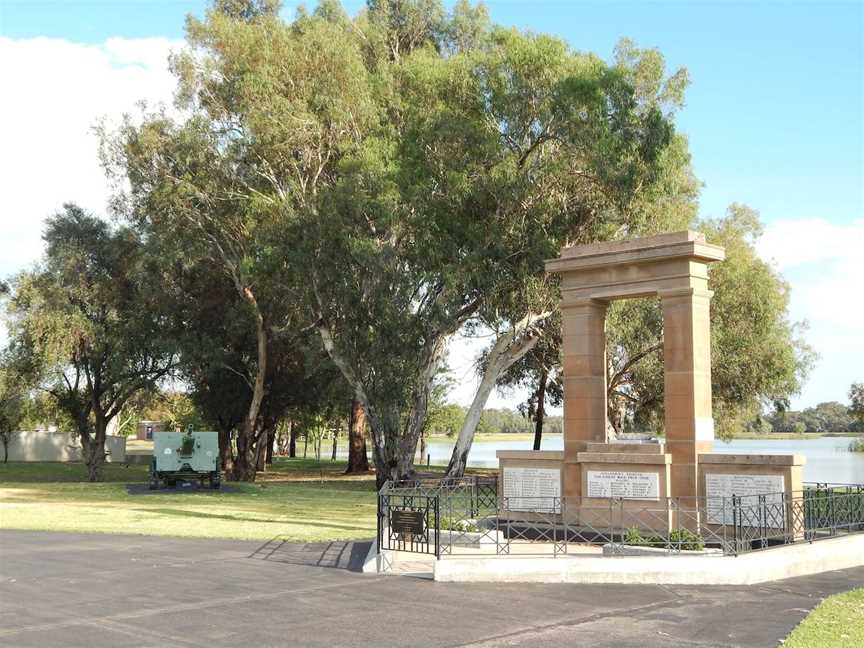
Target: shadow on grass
(193, 488)
(346, 485)
(347, 555)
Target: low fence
(468, 516)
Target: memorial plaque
(719, 489)
(624, 484)
(533, 489)
(402, 521)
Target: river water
(828, 458)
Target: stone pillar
(687, 384)
(583, 348)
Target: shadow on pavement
(347, 555)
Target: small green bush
(634, 537)
(464, 526)
(682, 539)
(686, 540)
(856, 445)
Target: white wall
(58, 446)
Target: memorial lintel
(687, 244)
(627, 448)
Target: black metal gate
(408, 522)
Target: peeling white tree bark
(508, 349)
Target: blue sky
(774, 116)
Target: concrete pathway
(99, 590)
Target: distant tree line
(447, 420)
(824, 418)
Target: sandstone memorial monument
(619, 507)
(681, 467)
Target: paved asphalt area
(100, 590)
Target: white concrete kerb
(747, 569)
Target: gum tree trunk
(225, 451)
(245, 464)
(358, 461)
(261, 448)
(271, 443)
(394, 447)
(93, 449)
(335, 444)
(541, 411)
(292, 440)
(508, 349)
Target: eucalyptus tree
(13, 391)
(217, 359)
(856, 401)
(86, 325)
(758, 355)
(567, 149)
(260, 131)
(391, 179)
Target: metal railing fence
(471, 516)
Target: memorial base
(627, 486)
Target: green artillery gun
(179, 456)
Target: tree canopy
(392, 178)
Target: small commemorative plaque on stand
(407, 522)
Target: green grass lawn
(297, 499)
(837, 622)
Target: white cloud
(56, 90)
(794, 243)
(824, 265)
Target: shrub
(682, 539)
(464, 526)
(686, 540)
(634, 537)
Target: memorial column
(687, 384)
(583, 348)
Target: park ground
(94, 590)
(293, 541)
(300, 499)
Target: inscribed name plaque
(533, 489)
(624, 484)
(407, 521)
(719, 489)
